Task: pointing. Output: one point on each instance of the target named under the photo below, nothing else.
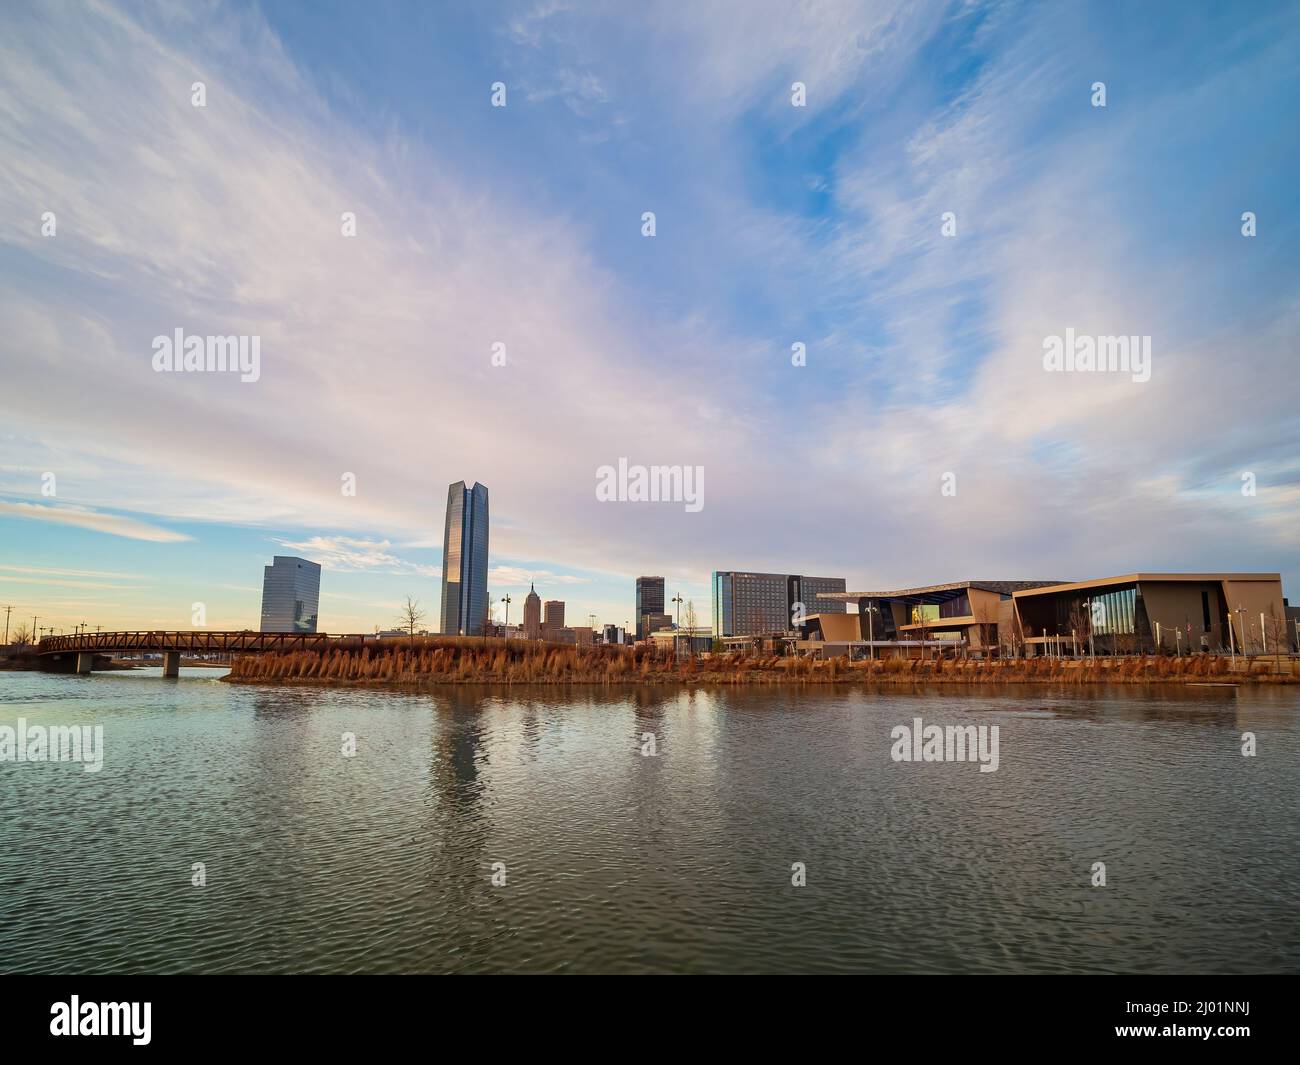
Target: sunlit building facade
(465, 561)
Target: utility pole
(677, 631)
(7, 610)
(35, 619)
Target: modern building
(649, 601)
(966, 612)
(554, 613)
(532, 615)
(1157, 612)
(749, 604)
(290, 595)
(694, 641)
(465, 561)
(1137, 613)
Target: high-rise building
(649, 600)
(290, 595)
(554, 613)
(465, 561)
(532, 615)
(752, 604)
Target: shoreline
(706, 681)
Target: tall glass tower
(464, 561)
(290, 595)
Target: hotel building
(750, 604)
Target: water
(622, 863)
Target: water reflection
(681, 860)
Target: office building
(290, 595)
(532, 615)
(554, 613)
(649, 601)
(465, 561)
(748, 604)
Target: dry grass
(451, 660)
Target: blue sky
(522, 225)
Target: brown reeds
(459, 660)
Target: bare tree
(987, 627)
(22, 636)
(1275, 632)
(690, 627)
(411, 617)
(1080, 622)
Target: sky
(948, 193)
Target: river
(615, 859)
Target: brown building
(554, 613)
(532, 615)
(1135, 613)
(1152, 612)
(965, 613)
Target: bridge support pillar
(85, 661)
(171, 663)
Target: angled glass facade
(290, 595)
(464, 561)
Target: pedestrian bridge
(171, 645)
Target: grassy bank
(440, 660)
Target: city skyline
(128, 495)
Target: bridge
(171, 645)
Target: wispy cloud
(345, 554)
(97, 521)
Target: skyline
(776, 225)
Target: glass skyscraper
(290, 595)
(465, 561)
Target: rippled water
(624, 863)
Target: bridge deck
(201, 642)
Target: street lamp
(871, 631)
(678, 628)
(506, 599)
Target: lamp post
(506, 599)
(678, 628)
(871, 631)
